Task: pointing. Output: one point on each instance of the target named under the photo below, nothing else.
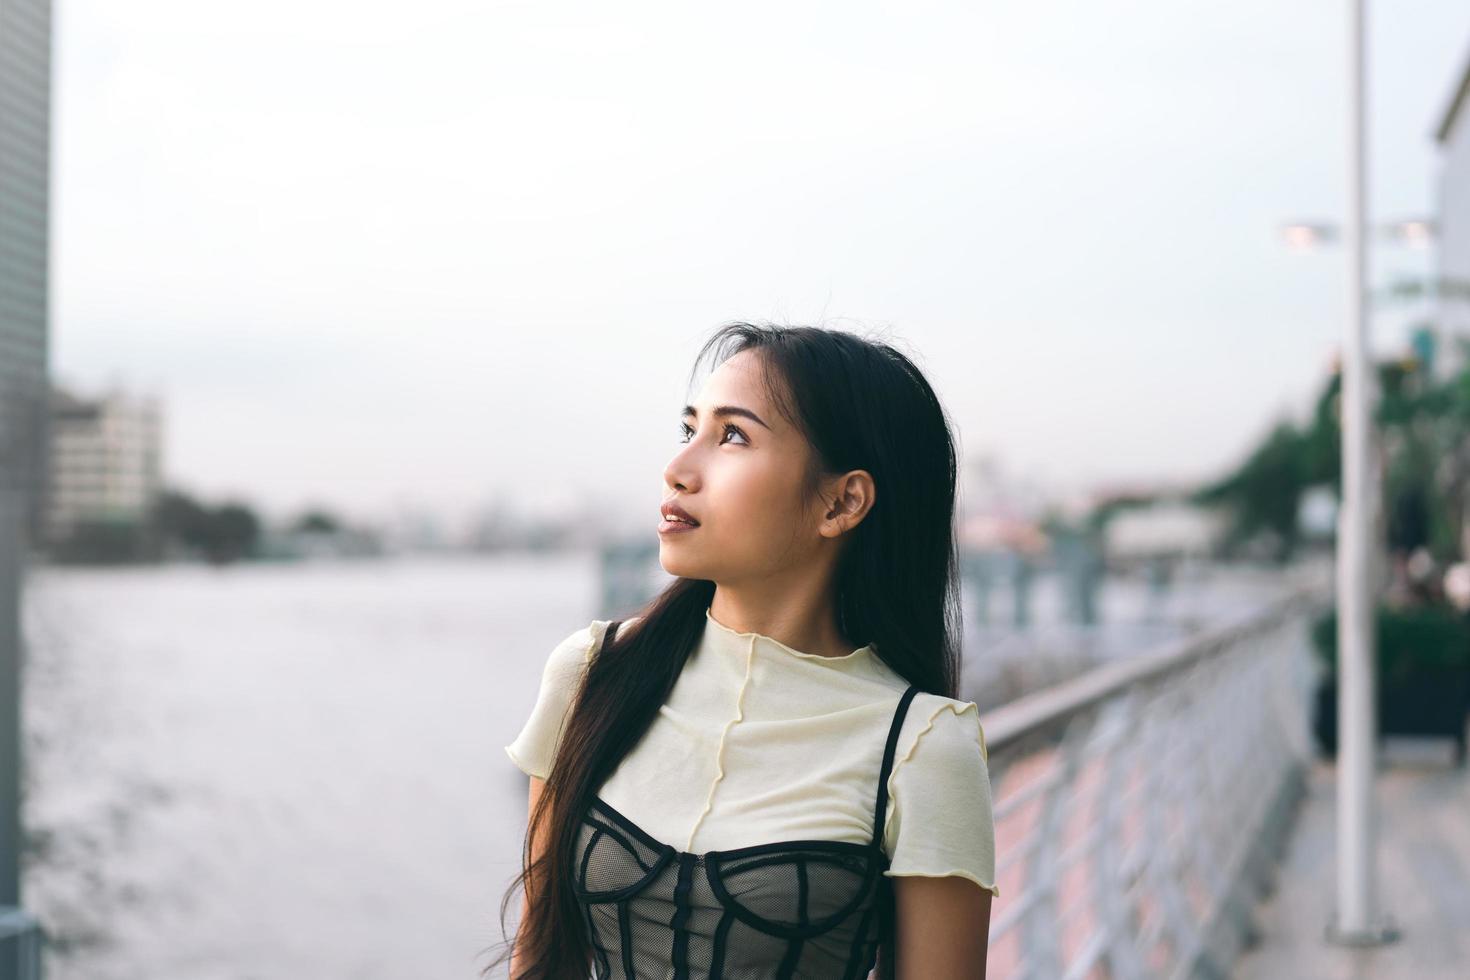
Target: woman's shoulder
(577, 647)
(940, 731)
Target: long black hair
(861, 404)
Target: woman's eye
(688, 433)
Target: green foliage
(316, 520)
(97, 541)
(1264, 491)
(1408, 641)
(220, 534)
(1423, 427)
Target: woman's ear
(849, 498)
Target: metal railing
(1137, 806)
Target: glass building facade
(25, 192)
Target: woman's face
(740, 475)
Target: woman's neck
(805, 622)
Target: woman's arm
(942, 929)
(537, 785)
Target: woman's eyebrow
(720, 411)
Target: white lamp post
(1356, 920)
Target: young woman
(765, 772)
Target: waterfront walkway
(1423, 871)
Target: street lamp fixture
(1304, 236)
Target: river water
(282, 771)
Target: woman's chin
(674, 563)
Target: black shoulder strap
(888, 752)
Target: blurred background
(341, 351)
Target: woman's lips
(667, 526)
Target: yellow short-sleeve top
(759, 742)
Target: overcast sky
(376, 254)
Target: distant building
(1454, 215)
(105, 460)
(1165, 529)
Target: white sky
(382, 253)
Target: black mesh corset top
(797, 908)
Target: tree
(1424, 428)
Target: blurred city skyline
(470, 257)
